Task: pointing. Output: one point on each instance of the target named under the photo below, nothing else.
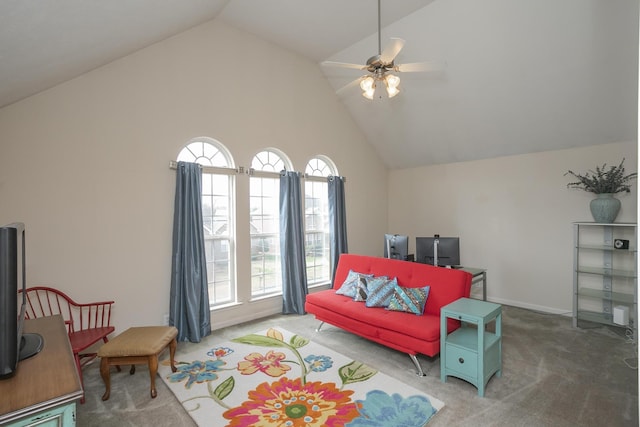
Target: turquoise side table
(471, 353)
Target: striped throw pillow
(380, 291)
(410, 300)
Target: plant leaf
(260, 340)
(604, 179)
(298, 341)
(223, 389)
(356, 372)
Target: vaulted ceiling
(519, 76)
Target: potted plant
(604, 182)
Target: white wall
(513, 216)
(85, 164)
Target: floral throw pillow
(380, 291)
(410, 300)
(350, 284)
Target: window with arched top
(264, 221)
(218, 175)
(206, 152)
(316, 212)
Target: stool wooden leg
(172, 353)
(153, 371)
(106, 377)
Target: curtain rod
(174, 165)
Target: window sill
(266, 297)
(222, 307)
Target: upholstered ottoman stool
(135, 346)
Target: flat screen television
(396, 246)
(448, 251)
(14, 344)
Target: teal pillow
(380, 291)
(350, 284)
(410, 300)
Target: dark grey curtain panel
(189, 299)
(294, 265)
(337, 221)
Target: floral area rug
(275, 378)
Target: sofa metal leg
(418, 367)
(319, 326)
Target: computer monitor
(396, 246)
(448, 250)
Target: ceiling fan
(381, 68)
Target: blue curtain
(337, 221)
(294, 265)
(189, 299)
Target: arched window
(316, 211)
(218, 175)
(264, 221)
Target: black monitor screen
(448, 250)
(396, 246)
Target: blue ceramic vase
(605, 208)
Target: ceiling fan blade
(391, 50)
(419, 67)
(343, 65)
(344, 89)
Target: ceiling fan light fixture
(392, 91)
(369, 93)
(368, 86)
(367, 83)
(392, 81)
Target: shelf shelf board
(608, 272)
(606, 295)
(608, 248)
(615, 224)
(466, 337)
(593, 316)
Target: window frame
(275, 175)
(326, 232)
(231, 171)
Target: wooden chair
(86, 323)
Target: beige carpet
(553, 375)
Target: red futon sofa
(402, 331)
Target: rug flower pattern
(293, 388)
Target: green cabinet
(45, 387)
(61, 416)
(605, 274)
(471, 352)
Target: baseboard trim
(533, 307)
